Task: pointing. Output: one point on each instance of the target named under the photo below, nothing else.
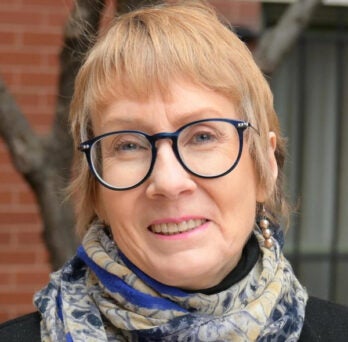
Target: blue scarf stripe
(69, 338)
(60, 315)
(59, 306)
(116, 285)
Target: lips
(172, 228)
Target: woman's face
(223, 209)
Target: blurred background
(40, 51)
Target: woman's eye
(202, 138)
(127, 146)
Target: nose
(168, 178)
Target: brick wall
(30, 41)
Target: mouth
(172, 228)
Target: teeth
(176, 228)
(164, 228)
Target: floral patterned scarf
(101, 296)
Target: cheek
(110, 205)
(239, 192)
(234, 197)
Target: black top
(325, 321)
(23, 329)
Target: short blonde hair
(143, 51)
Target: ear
(263, 193)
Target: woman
(178, 178)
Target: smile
(172, 228)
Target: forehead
(182, 103)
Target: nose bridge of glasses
(163, 136)
(171, 136)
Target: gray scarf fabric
(101, 296)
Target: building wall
(30, 42)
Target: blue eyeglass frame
(86, 146)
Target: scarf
(99, 295)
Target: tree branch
(79, 35)
(277, 41)
(24, 145)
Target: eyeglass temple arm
(83, 147)
(246, 124)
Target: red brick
(10, 4)
(18, 257)
(15, 298)
(50, 100)
(38, 278)
(57, 20)
(4, 155)
(51, 60)
(4, 316)
(38, 79)
(43, 39)
(10, 78)
(29, 238)
(19, 58)
(8, 38)
(25, 197)
(19, 19)
(6, 197)
(58, 5)
(9, 175)
(6, 218)
(5, 239)
(28, 99)
(42, 256)
(7, 279)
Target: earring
(266, 231)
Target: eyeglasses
(209, 148)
